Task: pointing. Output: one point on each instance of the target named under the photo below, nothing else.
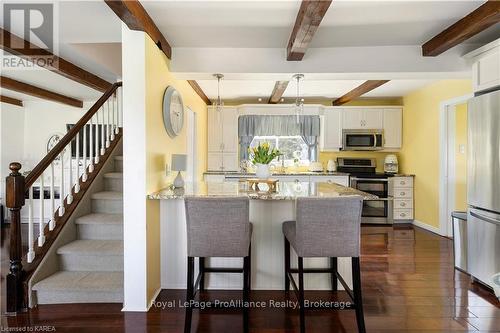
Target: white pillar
(134, 170)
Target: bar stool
(217, 227)
(325, 227)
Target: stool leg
(287, 265)
(246, 290)
(358, 300)
(201, 263)
(334, 266)
(250, 267)
(301, 296)
(189, 294)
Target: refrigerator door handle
(484, 218)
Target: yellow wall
(460, 158)
(420, 152)
(160, 147)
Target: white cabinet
(393, 128)
(223, 140)
(401, 190)
(358, 118)
(341, 180)
(331, 129)
(485, 66)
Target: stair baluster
(69, 199)
(108, 125)
(103, 130)
(31, 252)
(84, 175)
(112, 125)
(77, 180)
(41, 222)
(52, 222)
(61, 187)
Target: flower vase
(262, 171)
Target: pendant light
(299, 101)
(218, 104)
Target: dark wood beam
(10, 100)
(359, 91)
(480, 19)
(53, 63)
(28, 89)
(196, 87)
(307, 22)
(279, 89)
(136, 17)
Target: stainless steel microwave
(363, 139)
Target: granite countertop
(297, 173)
(284, 191)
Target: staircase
(91, 266)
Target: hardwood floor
(409, 285)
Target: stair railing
(76, 155)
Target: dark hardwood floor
(409, 285)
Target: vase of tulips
(262, 155)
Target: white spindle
(84, 176)
(52, 223)
(61, 188)
(77, 182)
(108, 125)
(41, 222)
(118, 108)
(113, 117)
(70, 178)
(103, 139)
(94, 148)
(31, 252)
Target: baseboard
(427, 227)
(155, 296)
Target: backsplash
(379, 156)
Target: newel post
(14, 202)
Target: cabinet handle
(403, 214)
(402, 182)
(402, 193)
(223, 146)
(403, 204)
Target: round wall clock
(173, 111)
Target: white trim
(428, 227)
(444, 161)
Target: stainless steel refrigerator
(483, 187)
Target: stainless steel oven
(364, 178)
(362, 139)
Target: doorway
(453, 161)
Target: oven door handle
(371, 179)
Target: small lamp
(179, 163)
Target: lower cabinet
(341, 180)
(401, 190)
(222, 162)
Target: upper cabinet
(485, 66)
(354, 118)
(393, 128)
(223, 140)
(331, 129)
(336, 119)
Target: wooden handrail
(66, 139)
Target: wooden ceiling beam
(279, 89)
(28, 89)
(359, 91)
(133, 14)
(196, 87)
(480, 19)
(53, 63)
(308, 19)
(10, 100)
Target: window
(293, 148)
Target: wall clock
(173, 111)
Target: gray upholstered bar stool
(325, 227)
(217, 227)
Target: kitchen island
(268, 210)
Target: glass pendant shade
(299, 102)
(218, 104)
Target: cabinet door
(214, 162)
(214, 130)
(486, 71)
(230, 162)
(393, 128)
(373, 118)
(341, 180)
(331, 134)
(352, 118)
(230, 130)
